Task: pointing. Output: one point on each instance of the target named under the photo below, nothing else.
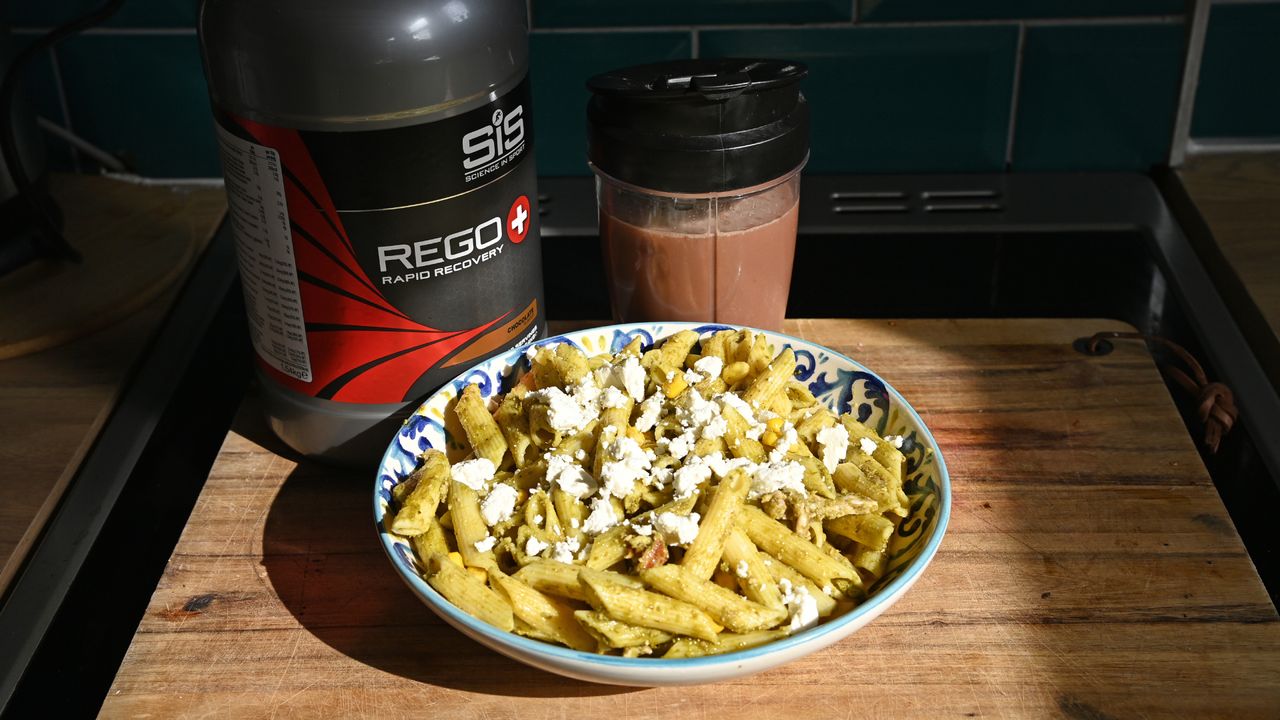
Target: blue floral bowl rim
(538, 647)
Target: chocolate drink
(697, 166)
(740, 275)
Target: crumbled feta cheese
(867, 444)
(565, 414)
(715, 428)
(625, 464)
(694, 411)
(835, 445)
(722, 467)
(692, 377)
(661, 476)
(564, 550)
(680, 445)
(755, 426)
(602, 517)
(587, 391)
(677, 529)
(737, 403)
(537, 519)
(569, 475)
(498, 505)
(895, 440)
(689, 477)
(649, 411)
(742, 570)
(579, 454)
(801, 606)
(573, 523)
(534, 547)
(710, 366)
(774, 476)
(473, 473)
(633, 378)
(645, 530)
(486, 544)
(612, 397)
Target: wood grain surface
(53, 402)
(1238, 197)
(1089, 571)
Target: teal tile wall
(908, 10)
(134, 13)
(1237, 96)
(595, 13)
(1097, 96)
(561, 64)
(896, 85)
(39, 90)
(896, 99)
(155, 114)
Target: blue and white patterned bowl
(836, 380)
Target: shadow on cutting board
(322, 557)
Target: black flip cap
(698, 126)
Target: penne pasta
(682, 492)
(470, 594)
(551, 618)
(726, 500)
(482, 431)
(644, 608)
(418, 510)
(724, 606)
(774, 538)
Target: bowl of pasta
(662, 503)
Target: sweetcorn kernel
(775, 424)
(479, 574)
(676, 385)
(769, 437)
(456, 557)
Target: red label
(367, 345)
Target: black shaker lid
(698, 125)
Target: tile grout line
(1181, 134)
(1013, 97)
(1037, 22)
(695, 47)
(63, 105)
(116, 31)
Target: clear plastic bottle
(697, 168)
(380, 176)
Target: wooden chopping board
(135, 240)
(1090, 571)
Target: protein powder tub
(379, 165)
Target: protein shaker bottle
(697, 167)
(380, 175)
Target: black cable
(8, 131)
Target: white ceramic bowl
(836, 380)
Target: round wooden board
(136, 242)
